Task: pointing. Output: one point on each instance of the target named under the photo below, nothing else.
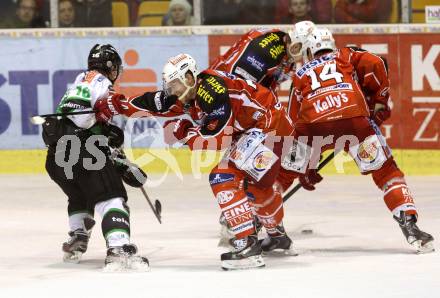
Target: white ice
(356, 250)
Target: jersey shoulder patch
(93, 77)
(212, 92)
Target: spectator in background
(26, 16)
(299, 10)
(362, 11)
(94, 13)
(257, 12)
(7, 8)
(66, 13)
(179, 14)
(221, 12)
(321, 11)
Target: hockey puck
(307, 231)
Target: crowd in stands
(108, 13)
(292, 11)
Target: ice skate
(245, 255)
(278, 246)
(124, 258)
(421, 241)
(76, 245)
(226, 234)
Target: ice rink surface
(356, 249)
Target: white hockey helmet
(297, 36)
(319, 39)
(174, 75)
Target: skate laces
(239, 244)
(125, 250)
(78, 234)
(276, 232)
(130, 249)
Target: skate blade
(248, 263)
(423, 249)
(72, 257)
(278, 252)
(136, 265)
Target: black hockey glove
(130, 173)
(114, 134)
(52, 131)
(133, 175)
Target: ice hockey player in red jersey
(268, 57)
(260, 56)
(233, 114)
(333, 112)
(265, 56)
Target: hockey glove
(130, 173)
(309, 179)
(133, 176)
(176, 130)
(108, 107)
(114, 134)
(381, 113)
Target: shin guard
(390, 179)
(233, 201)
(115, 222)
(268, 205)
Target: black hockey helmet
(105, 59)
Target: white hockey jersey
(88, 87)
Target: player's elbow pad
(155, 102)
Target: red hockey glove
(309, 179)
(381, 113)
(176, 130)
(108, 107)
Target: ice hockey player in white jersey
(78, 160)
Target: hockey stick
(157, 208)
(40, 119)
(298, 186)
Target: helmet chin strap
(308, 56)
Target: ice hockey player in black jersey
(79, 161)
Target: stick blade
(37, 120)
(158, 206)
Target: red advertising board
(414, 67)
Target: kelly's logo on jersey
(329, 102)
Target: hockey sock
(277, 231)
(115, 222)
(227, 187)
(390, 179)
(76, 220)
(398, 198)
(268, 205)
(238, 213)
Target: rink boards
(183, 161)
(38, 65)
